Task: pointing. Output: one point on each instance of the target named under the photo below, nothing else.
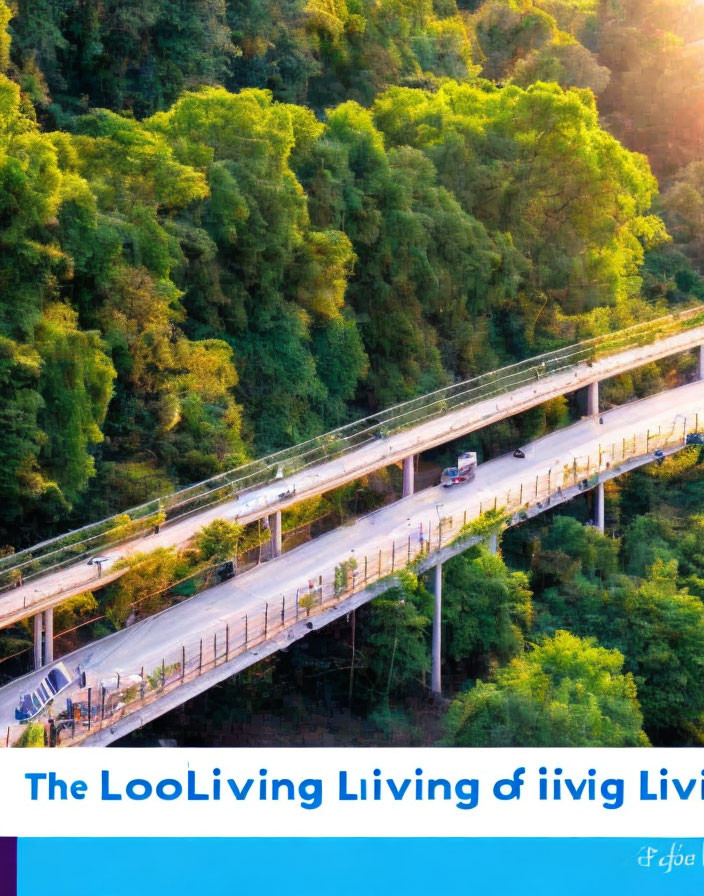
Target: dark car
(695, 438)
(31, 704)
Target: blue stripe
(360, 867)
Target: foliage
(343, 573)
(218, 540)
(74, 611)
(32, 736)
(144, 586)
(126, 54)
(5, 16)
(287, 214)
(535, 163)
(487, 609)
(641, 596)
(395, 653)
(307, 602)
(653, 54)
(278, 284)
(683, 206)
(567, 692)
(491, 522)
(236, 271)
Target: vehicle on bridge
(695, 438)
(53, 683)
(465, 470)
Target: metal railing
(56, 553)
(347, 575)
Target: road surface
(163, 636)
(52, 588)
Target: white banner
(352, 792)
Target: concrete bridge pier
(493, 543)
(44, 638)
(409, 476)
(436, 675)
(599, 507)
(593, 399)
(48, 636)
(275, 533)
(38, 632)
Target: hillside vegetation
(228, 225)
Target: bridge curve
(57, 570)
(235, 624)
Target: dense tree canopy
(566, 692)
(229, 225)
(234, 274)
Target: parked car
(53, 683)
(695, 438)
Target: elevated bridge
(179, 653)
(35, 580)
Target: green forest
(227, 226)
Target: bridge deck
(248, 611)
(53, 588)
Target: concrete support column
(409, 483)
(436, 680)
(599, 507)
(593, 399)
(700, 364)
(275, 536)
(48, 636)
(38, 629)
(493, 543)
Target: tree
(566, 62)
(535, 163)
(647, 540)
(656, 625)
(424, 269)
(395, 653)
(272, 283)
(123, 54)
(486, 608)
(662, 630)
(144, 587)
(656, 82)
(507, 31)
(76, 384)
(74, 611)
(683, 206)
(218, 540)
(568, 548)
(5, 16)
(59, 377)
(566, 692)
(366, 46)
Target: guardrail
(348, 575)
(56, 553)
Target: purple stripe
(8, 866)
